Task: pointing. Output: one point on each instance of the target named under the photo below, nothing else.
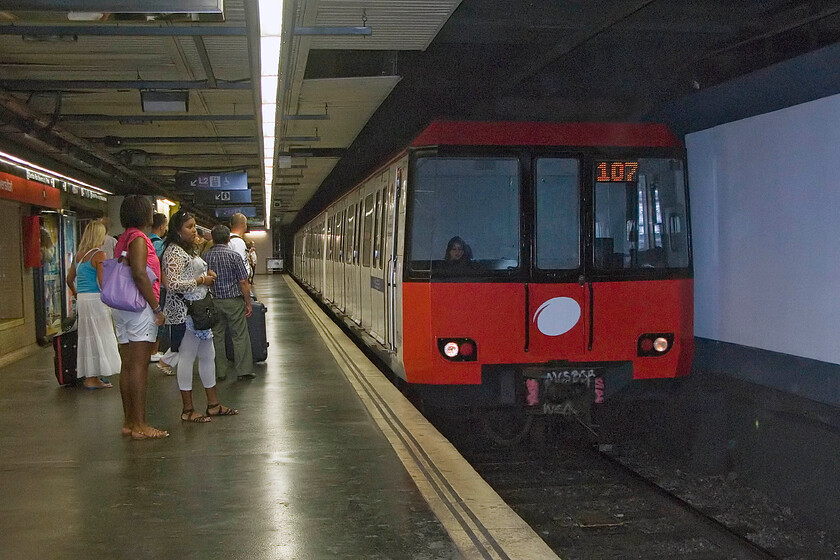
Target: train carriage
(576, 274)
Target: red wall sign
(30, 192)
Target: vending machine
(53, 301)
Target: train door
(366, 258)
(556, 300)
(350, 272)
(328, 258)
(393, 272)
(319, 257)
(338, 267)
(377, 280)
(357, 263)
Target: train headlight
(458, 349)
(654, 344)
(660, 344)
(450, 349)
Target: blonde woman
(98, 355)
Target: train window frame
(596, 273)
(411, 272)
(376, 220)
(349, 232)
(367, 230)
(383, 227)
(536, 155)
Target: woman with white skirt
(97, 352)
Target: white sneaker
(157, 356)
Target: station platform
(325, 460)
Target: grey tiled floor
(302, 472)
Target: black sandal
(189, 417)
(223, 410)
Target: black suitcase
(65, 345)
(256, 329)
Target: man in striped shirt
(232, 298)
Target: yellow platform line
(480, 524)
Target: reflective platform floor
(302, 472)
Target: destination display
(222, 197)
(616, 171)
(230, 181)
(228, 211)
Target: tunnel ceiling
(70, 89)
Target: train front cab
(580, 279)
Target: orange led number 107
(617, 171)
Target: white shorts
(135, 326)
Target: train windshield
(640, 214)
(465, 216)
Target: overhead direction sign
(222, 197)
(228, 211)
(230, 181)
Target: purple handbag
(118, 288)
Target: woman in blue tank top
(97, 351)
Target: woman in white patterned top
(187, 279)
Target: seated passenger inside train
(458, 253)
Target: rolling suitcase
(65, 345)
(256, 329)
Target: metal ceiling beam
(325, 30)
(119, 141)
(318, 152)
(122, 30)
(205, 61)
(62, 85)
(115, 6)
(146, 118)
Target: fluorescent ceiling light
(271, 17)
(268, 88)
(14, 160)
(270, 56)
(268, 110)
(271, 27)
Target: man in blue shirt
(159, 223)
(158, 233)
(232, 298)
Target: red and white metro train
(524, 268)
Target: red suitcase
(65, 345)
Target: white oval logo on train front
(557, 316)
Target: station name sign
(230, 181)
(210, 197)
(15, 170)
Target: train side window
(376, 220)
(380, 245)
(357, 239)
(367, 230)
(339, 223)
(349, 232)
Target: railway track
(587, 505)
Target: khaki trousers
(231, 316)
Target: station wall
(17, 293)
(765, 208)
